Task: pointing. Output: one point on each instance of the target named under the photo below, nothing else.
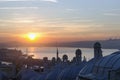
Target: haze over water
(40, 52)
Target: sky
(59, 20)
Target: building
(71, 72)
(90, 64)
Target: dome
(65, 57)
(53, 75)
(88, 67)
(41, 76)
(27, 74)
(3, 76)
(97, 45)
(78, 52)
(71, 72)
(108, 65)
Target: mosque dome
(65, 57)
(3, 76)
(41, 76)
(97, 45)
(71, 72)
(53, 75)
(27, 74)
(107, 68)
(88, 67)
(78, 52)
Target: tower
(78, 55)
(57, 54)
(97, 50)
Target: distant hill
(110, 44)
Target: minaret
(97, 50)
(57, 54)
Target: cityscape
(59, 40)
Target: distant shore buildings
(26, 68)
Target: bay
(40, 52)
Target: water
(40, 52)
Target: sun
(32, 36)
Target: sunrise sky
(59, 20)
